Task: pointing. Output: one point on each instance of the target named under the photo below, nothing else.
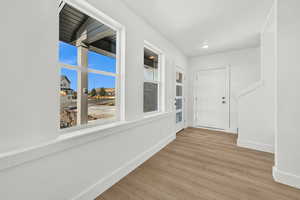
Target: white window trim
(160, 82)
(91, 11)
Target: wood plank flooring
(203, 165)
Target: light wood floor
(202, 164)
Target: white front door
(211, 98)
(179, 99)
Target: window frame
(160, 79)
(119, 75)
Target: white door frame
(228, 78)
(179, 127)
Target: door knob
(223, 102)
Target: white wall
(30, 106)
(257, 106)
(287, 155)
(29, 57)
(245, 70)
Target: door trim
(228, 91)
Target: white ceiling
(222, 24)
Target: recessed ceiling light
(205, 46)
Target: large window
(90, 76)
(152, 80)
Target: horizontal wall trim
(256, 146)
(286, 178)
(105, 183)
(71, 140)
(229, 130)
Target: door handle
(223, 102)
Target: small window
(152, 82)
(89, 72)
(178, 77)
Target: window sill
(71, 140)
(153, 114)
(92, 124)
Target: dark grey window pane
(178, 117)
(150, 97)
(178, 104)
(178, 90)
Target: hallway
(202, 164)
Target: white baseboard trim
(230, 130)
(256, 146)
(105, 183)
(286, 178)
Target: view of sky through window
(68, 55)
(101, 62)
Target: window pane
(67, 53)
(178, 90)
(150, 97)
(178, 77)
(178, 117)
(150, 74)
(178, 104)
(101, 62)
(150, 65)
(68, 98)
(102, 97)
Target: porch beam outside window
(82, 93)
